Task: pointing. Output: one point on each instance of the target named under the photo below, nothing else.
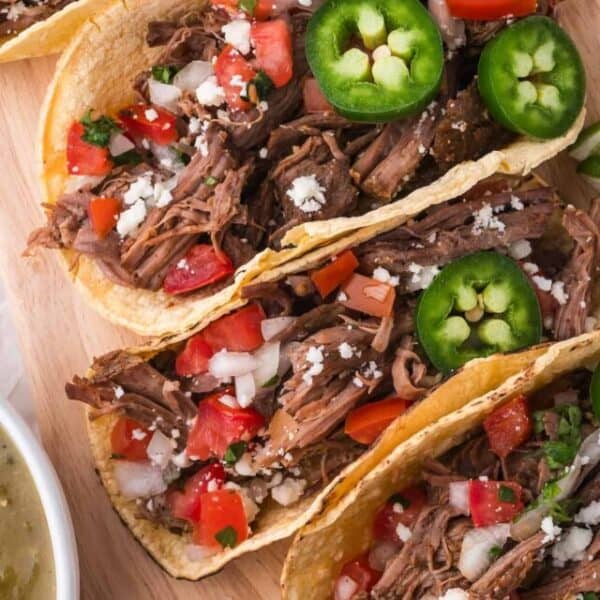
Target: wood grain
(59, 335)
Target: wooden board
(59, 335)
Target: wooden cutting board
(59, 335)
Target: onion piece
(192, 75)
(197, 553)
(119, 144)
(231, 364)
(475, 551)
(77, 182)
(160, 449)
(452, 29)
(459, 496)
(271, 327)
(381, 553)
(138, 479)
(345, 588)
(245, 389)
(268, 363)
(164, 94)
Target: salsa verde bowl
(18, 437)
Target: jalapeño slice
(375, 60)
(531, 78)
(478, 305)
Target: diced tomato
(332, 275)
(223, 521)
(201, 266)
(84, 158)
(365, 423)
(400, 508)
(103, 213)
(232, 66)
(185, 504)
(262, 10)
(238, 332)
(148, 121)
(359, 571)
(194, 358)
(314, 98)
(229, 5)
(369, 296)
(218, 426)
(489, 10)
(509, 426)
(272, 43)
(493, 502)
(127, 444)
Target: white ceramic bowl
(64, 548)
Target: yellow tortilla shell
(97, 70)
(345, 530)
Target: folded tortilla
(97, 70)
(343, 530)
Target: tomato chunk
(489, 10)
(369, 296)
(365, 423)
(493, 502)
(509, 426)
(200, 267)
(232, 66)
(84, 158)
(263, 9)
(103, 213)
(272, 43)
(148, 121)
(314, 98)
(402, 508)
(358, 572)
(218, 426)
(223, 521)
(185, 504)
(332, 275)
(129, 439)
(237, 332)
(194, 358)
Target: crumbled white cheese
(551, 530)
(181, 460)
(358, 382)
(130, 219)
(138, 434)
(162, 195)
(421, 277)
(403, 532)
(237, 34)
(516, 203)
(307, 194)
(119, 392)
(459, 126)
(250, 507)
(542, 283)
(485, 219)
(571, 546)
(346, 350)
(244, 465)
(151, 114)
(372, 371)
(210, 93)
(140, 188)
(15, 10)
(558, 291)
(520, 249)
(590, 514)
(289, 491)
(195, 125)
(398, 508)
(263, 153)
(383, 275)
(305, 2)
(314, 356)
(342, 297)
(237, 81)
(530, 268)
(263, 106)
(201, 145)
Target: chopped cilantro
(495, 552)
(164, 73)
(258, 88)
(227, 537)
(182, 156)
(247, 6)
(561, 452)
(506, 494)
(98, 132)
(131, 157)
(562, 511)
(273, 381)
(399, 499)
(590, 596)
(550, 490)
(211, 181)
(234, 452)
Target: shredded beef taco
(188, 147)
(30, 28)
(500, 499)
(283, 400)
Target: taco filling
(269, 402)
(17, 15)
(512, 512)
(244, 128)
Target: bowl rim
(54, 504)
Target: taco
(499, 499)
(278, 407)
(30, 28)
(184, 144)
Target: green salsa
(26, 563)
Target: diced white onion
(268, 363)
(271, 327)
(197, 553)
(164, 94)
(345, 588)
(459, 496)
(160, 449)
(192, 75)
(138, 479)
(231, 364)
(119, 144)
(475, 555)
(245, 389)
(381, 553)
(77, 182)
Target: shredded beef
(408, 371)
(584, 578)
(32, 13)
(272, 297)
